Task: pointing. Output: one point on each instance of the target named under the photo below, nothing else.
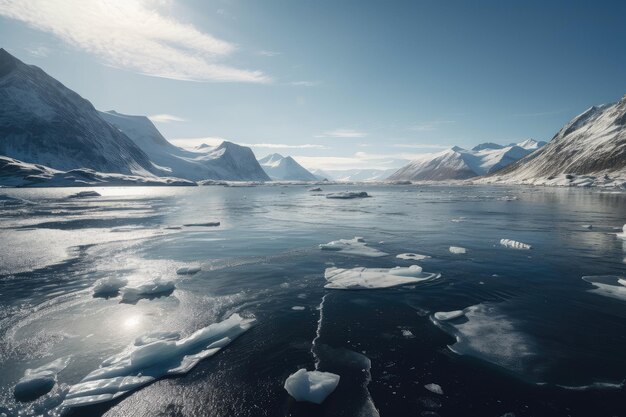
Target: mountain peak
(7, 62)
(487, 145)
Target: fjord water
(535, 341)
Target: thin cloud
(283, 146)
(430, 126)
(132, 35)
(304, 83)
(342, 133)
(165, 118)
(268, 53)
(420, 146)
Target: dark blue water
(537, 340)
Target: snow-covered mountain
(44, 122)
(280, 167)
(353, 175)
(457, 163)
(591, 144)
(227, 161)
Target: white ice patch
(622, 235)
(311, 386)
(297, 308)
(448, 315)
(371, 278)
(148, 289)
(514, 244)
(434, 388)
(188, 270)
(39, 381)
(608, 285)
(108, 286)
(347, 195)
(152, 358)
(356, 246)
(412, 256)
(407, 333)
(457, 250)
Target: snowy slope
(457, 163)
(44, 122)
(228, 161)
(591, 144)
(280, 167)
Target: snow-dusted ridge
(285, 168)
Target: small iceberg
(457, 250)
(347, 195)
(412, 256)
(622, 235)
(151, 358)
(150, 289)
(448, 315)
(372, 278)
(434, 388)
(356, 246)
(207, 224)
(298, 308)
(85, 194)
(316, 189)
(39, 381)
(108, 286)
(514, 244)
(587, 226)
(188, 270)
(608, 285)
(311, 386)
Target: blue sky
(336, 84)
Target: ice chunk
(622, 235)
(434, 388)
(207, 224)
(188, 270)
(407, 333)
(149, 289)
(316, 189)
(371, 278)
(608, 285)
(311, 386)
(39, 381)
(108, 286)
(297, 308)
(154, 357)
(514, 244)
(457, 250)
(448, 315)
(587, 226)
(412, 256)
(85, 194)
(356, 246)
(346, 195)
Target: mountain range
(285, 168)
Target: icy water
(535, 340)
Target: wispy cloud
(430, 125)
(342, 133)
(133, 35)
(420, 146)
(284, 146)
(304, 83)
(165, 118)
(267, 53)
(39, 51)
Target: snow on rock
(457, 250)
(153, 288)
(279, 167)
(39, 381)
(412, 256)
(85, 194)
(356, 246)
(347, 195)
(608, 285)
(622, 235)
(448, 315)
(434, 388)
(188, 270)
(311, 386)
(108, 286)
(152, 358)
(372, 278)
(513, 244)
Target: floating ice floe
(407, 333)
(356, 246)
(434, 388)
(207, 224)
(514, 244)
(188, 270)
(311, 386)
(149, 289)
(587, 226)
(448, 315)
(154, 357)
(108, 286)
(297, 308)
(608, 285)
(457, 250)
(346, 195)
(85, 194)
(412, 256)
(39, 381)
(622, 235)
(316, 189)
(371, 278)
